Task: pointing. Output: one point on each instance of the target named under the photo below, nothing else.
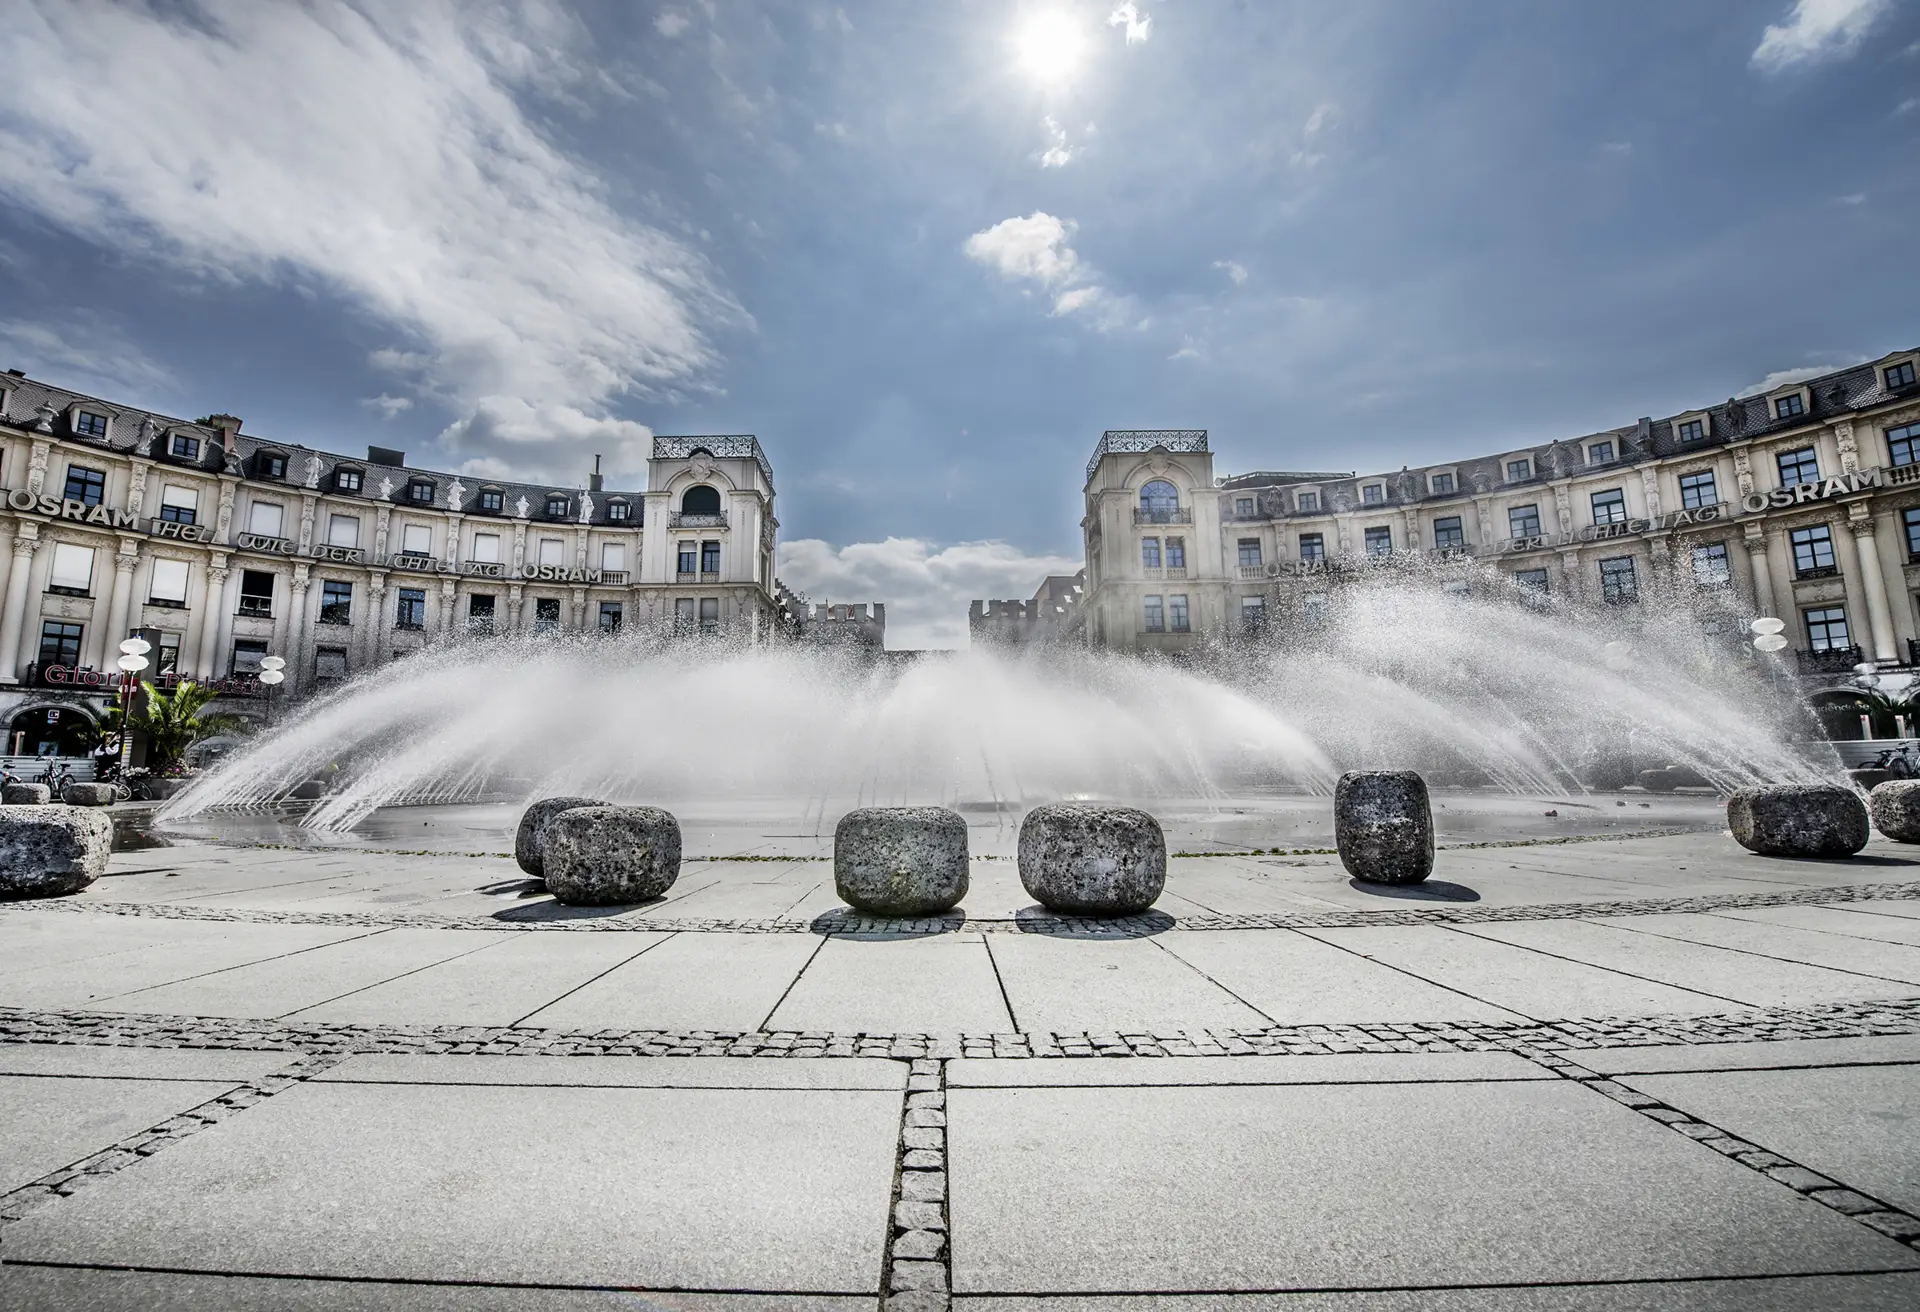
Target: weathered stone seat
(1092, 859)
(1798, 820)
(900, 860)
(531, 838)
(609, 855)
(1383, 826)
(1894, 808)
(87, 794)
(50, 851)
(26, 795)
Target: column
(1851, 580)
(1873, 583)
(26, 541)
(515, 622)
(121, 610)
(299, 629)
(203, 666)
(229, 606)
(1755, 542)
(447, 589)
(374, 622)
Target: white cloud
(925, 588)
(1815, 30)
(1139, 26)
(1036, 249)
(1233, 269)
(81, 351)
(1311, 150)
(387, 406)
(504, 434)
(385, 153)
(671, 23)
(1782, 377)
(1908, 105)
(1616, 147)
(1852, 198)
(1189, 350)
(1058, 153)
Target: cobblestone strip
(1891, 1221)
(916, 1262)
(834, 922)
(1825, 1021)
(135, 1148)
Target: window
(546, 614)
(1314, 609)
(1373, 494)
(1692, 430)
(486, 548)
(87, 486)
(1176, 553)
(1911, 519)
(700, 500)
(59, 643)
(1789, 406)
(709, 557)
(420, 493)
(613, 555)
(1827, 628)
(247, 655)
(1617, 583)
(336, 602)
(271, 464)
(1253, 614)
(416, 540)
(687, 560)
(1448, 534)
(1798, 466)
(1159, 502)
(1442, 484)
(88, 424)
(1523, 521)
(491, 499)
(551, 550)
(1519, 471)
(169, 584)
(709, 614)
(266, 518)
(1309, 502)
(166, 654)
(1610, 507)
(1249, 553)
(557, 507)
(1155, 618)
(1150, 553)
(1711, 569)
(343, 530)
(1697, 490)
(72, 570)
(256, 594)
(619, 511)
(611, 615)
(1812, 552)
(1313, 546)
(1379, 542)
(179, 505)
(184, 447)
(480, 613)
(1600, 453)
(1243, 507)
(1900, 375)
(347, 480)
(1901, 443)
(411, 613)
(1532, 580)
(683, 615)
(1177, 614)
(329, 664)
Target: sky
(927, 252)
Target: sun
(1050, 45)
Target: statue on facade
(520, 508)
(456, 495)
(386, 489)
(586, 509)
(313, 471)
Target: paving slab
(106, 1062)
(1833, 920)
(621, 1072)
(941, 984)
(1098, 1190)
(691, 982)
(1906, 910)
(1859, 1125)
(1518, 979)
(1861, 956)
(37, 1288)
(1069, 985)
(1334, 1068)
(50, 1121)
(1772, 1054)
(1299, 980)
(696, 1189)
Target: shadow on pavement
(845, 922)
(1039, 920)
(1432, 890)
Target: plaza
(1610, 1061)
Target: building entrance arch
(65, 729)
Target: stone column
(121, 610)
(1848, 558)
(447, 589)
(376, 618)
(1755, 542)
(515, 622)
(1571, 578)
(203, 665)
(298, 656)
(26, 541)
(1874, 585)
(229, 606)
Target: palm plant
(175, 721)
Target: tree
(176, 721)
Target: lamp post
(133, 659)
(272, 673)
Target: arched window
(1159, 500)
(700, 500)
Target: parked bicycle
(1901, 762)
(56, 777)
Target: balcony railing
(1170, 439)
(1817, 572)
(1178, 515)
(1253, 571)
(617, 577)
(1903, 473)
(1831, 660)
(681, 520)
(686, 576)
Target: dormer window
(184, 447)
(557, 507)
(348, 480)
(88, 424)
(619, 511)
(1243, 507)
(1442, 484)
(1600, 453)
(420, 492)
(1373, 494)
(1790, 406)
(1899, 375)
(1692, 430)
(269, 464)
(1519, 471)
(491, 499)
(1309, 503)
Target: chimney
(594, 481)
(386, 455)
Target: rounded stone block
(1798, 820)
(1092, 859)
(900, 860)
(87, 794)
(50, 851)
(1894, 808)
(1383, 826)
(530, 840)
(596, 856)
(26, 795)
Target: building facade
(221, 548)
(1804, 502)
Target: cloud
(1908, 105)
(1782, 377)
(1139, 26)
(1189, 350)
(1852, 198)
(925, 587)
(671, 23)
(1036, 249)
(1311, 132)
(1616, 148)
(82, 351)
(387, 406)
(1234, 270)
(1058, 152)
(504, 434)
(1816, 30)
(387, 154)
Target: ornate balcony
(1831, 660)
(1178, 516)
(680, 520)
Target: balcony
(256, 608)
(1898, 474)
(710, 576)
(1175, 516)
(1816, 572)
(1253, 571)
(1164, 572)
(686, 576)
(681, 520)
(617, 577)
(1831, 660)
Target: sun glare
(1050, 46)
